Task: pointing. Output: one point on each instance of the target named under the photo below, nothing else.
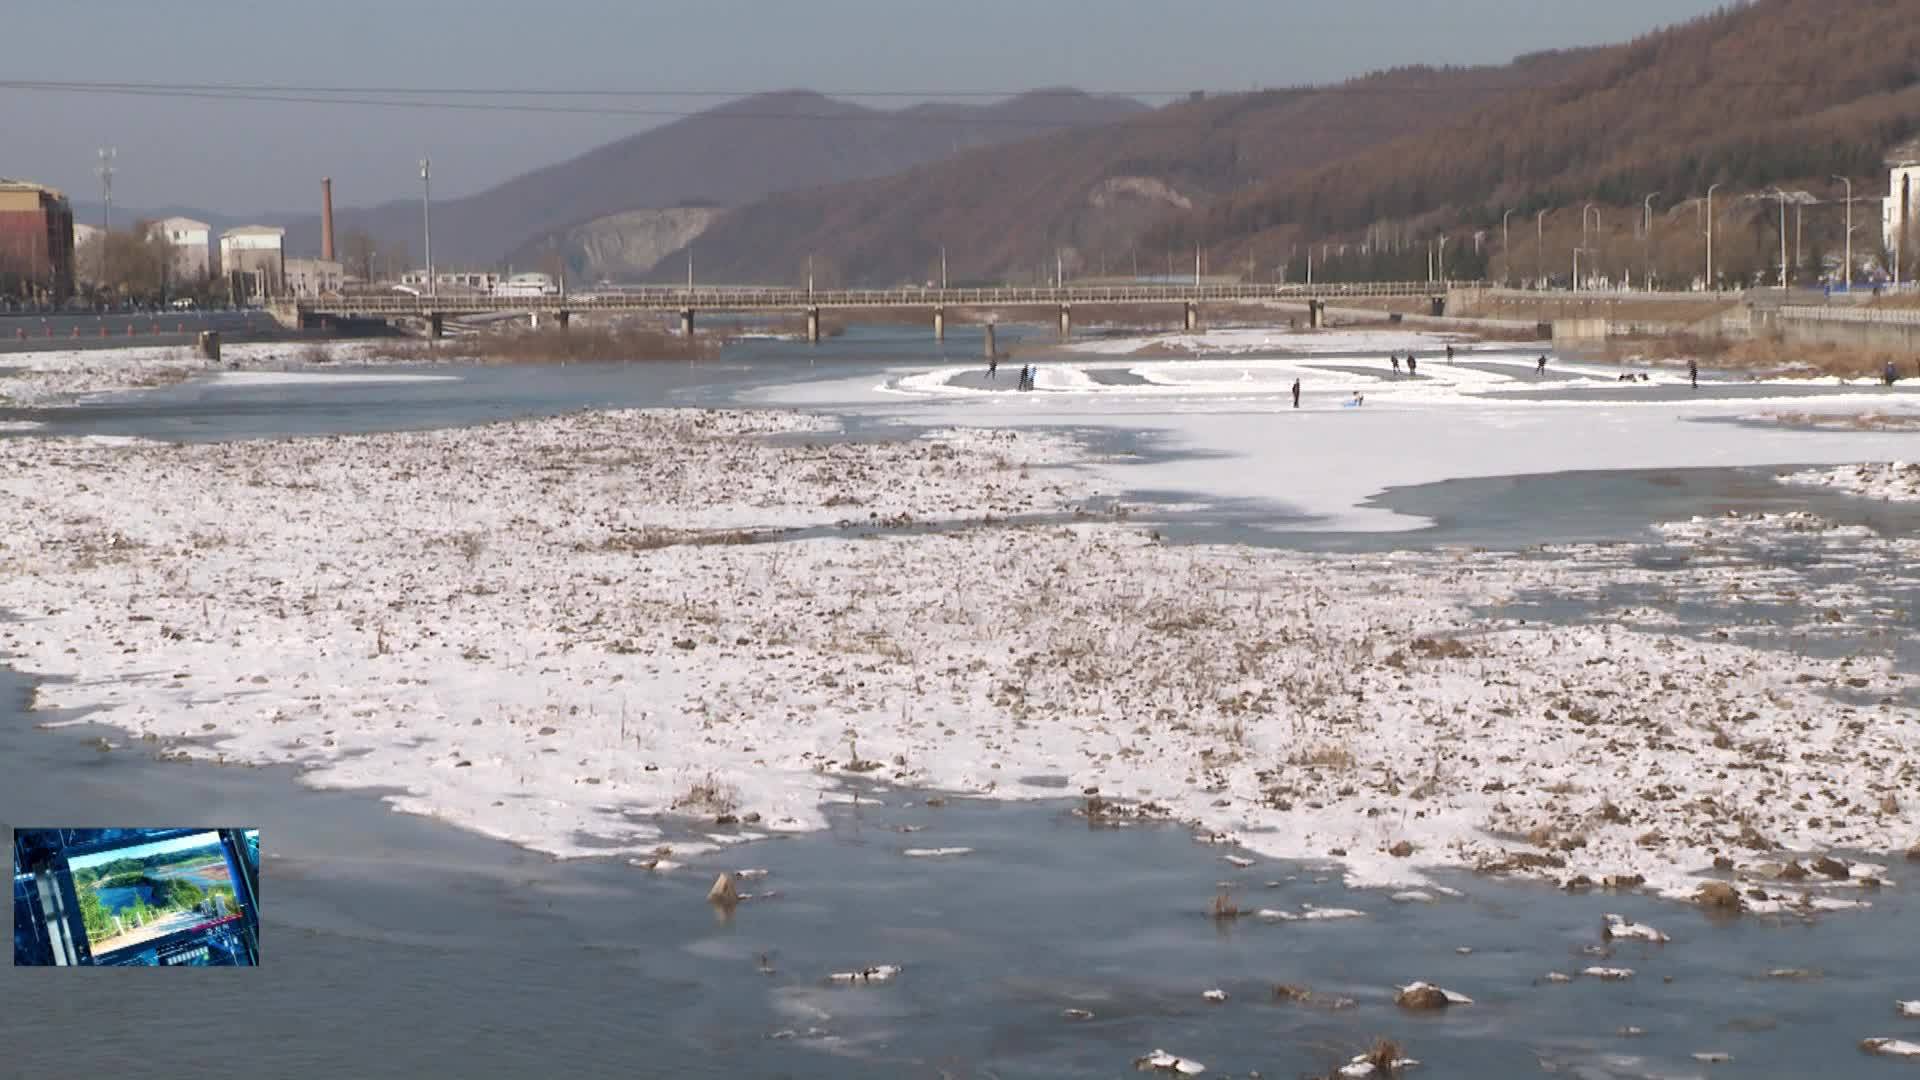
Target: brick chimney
(326, 218)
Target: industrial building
(190, 242)
(253, 260)
(36, 242)
(314, 277)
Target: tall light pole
(1506, 247)
(426, 217)
(105, 170)
(1849, 265)
(1539, 248)
(1783, 237)
(1712, 286)
(1443, 258)
(943, 268)
(1646, 244)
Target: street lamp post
(426, 217)
(1849, 264)
(1783, 238)
(1712, 286)
(1506, 248)
(1539, 248)
(1646, 245)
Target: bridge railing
(745, 298)
(1871, 316)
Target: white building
(456, 281)
(314, 277)
(190, 241)
(254, 260)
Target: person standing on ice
(1396, 363)
(1296, 393)
(1540, 367)
(1449, 354)
(1891, 375)
(1413, 364)
(993, 367)
(1693, 372)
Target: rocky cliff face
(620, 247)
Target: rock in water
(723, 894)
(1718, 896)
(880, 974)
(1421, 995)
(1616, 926)
(1162, 1061)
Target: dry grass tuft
(708, 795)
(653, 539)
(1324, 756)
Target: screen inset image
(152, 897)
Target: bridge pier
(564, 318)
(939, 323)
(436, 326)
(686, 323)
(1316, 314)
(813, 326)
(1066, 322)
(1193, 316)
(991, 351)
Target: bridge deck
(781, 299)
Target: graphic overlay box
(136, 897)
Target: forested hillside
(1779, 92)
(1088, 194)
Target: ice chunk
(1166, 1062)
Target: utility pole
(1849, 265)
(1059, 269)
(1646, 245)
(105, 170)
(1443, 259)
(810, 279)
(1799, 233)
(1506, 248)
(426, 215)
(1539, 248)
(1783, 238)
(1712, 285)
(1196, 266)
(943, 270)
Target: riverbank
(553, 631)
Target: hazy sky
(245, 157)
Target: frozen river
(443, 951)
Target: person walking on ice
(1693, 372)
(993, 367)
(1449, 354)
(1413, 364)
(1540, 366)
(1396, 363)
(1296, 393)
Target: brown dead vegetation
(576, 345)
(1761, 355)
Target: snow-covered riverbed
(551, 631)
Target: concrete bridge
(687, 302)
